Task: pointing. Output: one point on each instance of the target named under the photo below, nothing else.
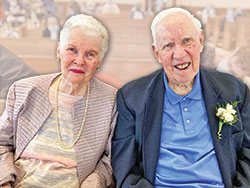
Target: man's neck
(181, 88)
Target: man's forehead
(174, 19)
(177, 24)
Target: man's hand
(93, 181)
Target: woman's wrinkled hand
(6, 186)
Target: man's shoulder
(138, 91)
(222, 81)
(219, 77)
(142, 83)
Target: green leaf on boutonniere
(227, 115)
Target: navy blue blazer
(136, 139)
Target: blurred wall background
(30, 29)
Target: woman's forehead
(79, 35)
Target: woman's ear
(58, 51)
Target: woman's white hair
(159, 17)
(92, 27)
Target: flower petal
(228, 117)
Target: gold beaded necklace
(62, 145)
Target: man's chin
(185, 80)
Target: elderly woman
(56, 129)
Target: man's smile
(182, 66)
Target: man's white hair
(92, 27)
(160, 16)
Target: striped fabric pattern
(50, 162)
(27, 109)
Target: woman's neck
(70, 88)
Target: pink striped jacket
(28, 107)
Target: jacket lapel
(153, 123)
(222, 147)
(152, 126)
(36, 110)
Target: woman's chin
(78, 79)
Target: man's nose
(179, 52)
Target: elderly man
(182, 126)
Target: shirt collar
(195, 93)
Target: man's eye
(168, 46)
(187, 40)
(72, 49)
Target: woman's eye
(91, 55)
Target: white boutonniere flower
(227, 115)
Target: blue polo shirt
(187, 156)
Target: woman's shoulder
(103, 85)
(41, 82)
(103, 88)
(38, 78)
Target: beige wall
(129, 2)
(195, 3)
(218, 3)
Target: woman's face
(79, 56)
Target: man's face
(178, 47)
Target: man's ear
(156, 53)
(201, 39)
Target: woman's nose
(80, 60)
